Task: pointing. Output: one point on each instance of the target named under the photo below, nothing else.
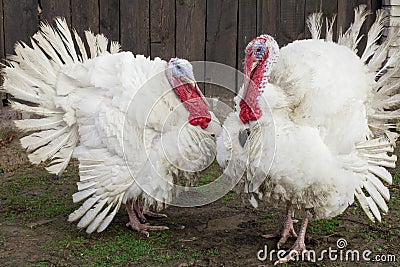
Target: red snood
(249, 107)
(193, 102)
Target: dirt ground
(35, 232)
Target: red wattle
(249, 114)
(249, 108)
(193, 102)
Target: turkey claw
(144, 228)
(286, 231)
(154, 214)
(142, 216)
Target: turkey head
(180, 76)
(261, 53)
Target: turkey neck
(256, 81)
(249, 107)
(194, 104)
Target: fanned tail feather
(383, 106)
(95, 213)
(384, 112)
(374, 34)
(329, 29)
(351, 37)
(384, 103)
(103, 225)
(314, 24)
(374, 152)
(34, 74)
(362, 199)
(91, 214)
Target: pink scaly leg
(141, 213)
(286, 230)
(135, 223)
(299, 246)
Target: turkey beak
(193, 83)
(189, 79)
(254, 65)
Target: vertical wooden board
(247, 29)
(268, 17)
(222, 31)
(292, 21)
(312, 6)
(346, 17)
(134, 26)
(327, 7)
(55, 8)
(191, 34)
(373, 5)
(345, 14)
(376, 4)
(85, 15)
(221, 41)
(20, 21)
(367, 24)
(162, 29)
(190, 29)
(330, 7)
(2, 53)
(109, 19)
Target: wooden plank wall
(211, 30)
(393, 8)
(393, 26)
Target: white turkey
(314, 125)
(136, 125)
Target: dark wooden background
(212, 30)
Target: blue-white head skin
(180, 70)
(180, 75)
(259, 52)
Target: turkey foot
(140, 213)
(154, 214)
(298, 250)
(286, 230)
(134, 220)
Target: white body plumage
(328, 130)
(115, 112)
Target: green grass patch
(119, 246)
(196, 255)
(120, 250)
(324, 227)
(367, 234)
(42, 263)
(33, 193)
(213, 252)
(210, 174)
(396, 178)
(228, 198)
